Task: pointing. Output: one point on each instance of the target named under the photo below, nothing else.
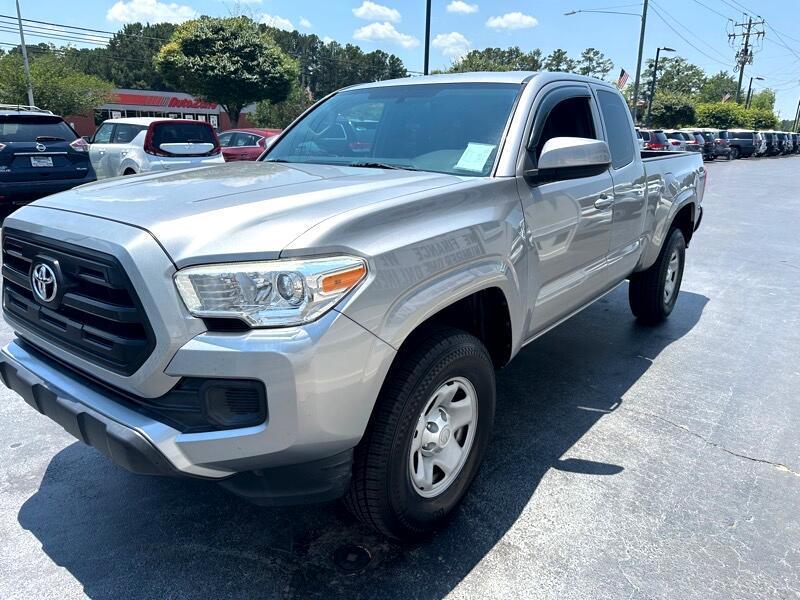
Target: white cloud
(277, 22)
(327, 39)
(459, 6)
(305, 23)
(151, 11)
(512, 20)
(385, 32)
(370, 11)
(451, 44)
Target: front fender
(420, 302)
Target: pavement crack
(705, 440)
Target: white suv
(144, 145)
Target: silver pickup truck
(327, 322)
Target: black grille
(97, 314)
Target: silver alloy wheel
(443, 437)
(673, 268)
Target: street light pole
(653, 84)
(797, 117)
(25, 57)
(427, 36)
(637, 79)
(750, 91)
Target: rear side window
(659, 137)
(246, 139)
(26, 129)
(618, 128)
(125, 133)
(645, 135)
(724, 135)
(176, 132)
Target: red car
(245, 144)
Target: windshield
(446, 127)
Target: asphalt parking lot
(626, 463)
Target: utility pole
(745, 55)
(639, 63)
(25, 57)
(427, 36)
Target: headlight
(272, 293)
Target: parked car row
(41, 154)
(721, 143)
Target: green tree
(230, 61)
(594, 63)
(760, 118)
(281, 114)
(56, 85)
(715, 87)
(498, 59)
(559, 60)
(326, 67)
(764, 100)
(675, 75)
(722, 115)
(671, 111)
(786, 125)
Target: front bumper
(315, 481)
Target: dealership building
(146, 103)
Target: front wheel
(427, 435)
(734, 154)
(652, 293)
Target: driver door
(569, 221)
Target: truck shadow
(122, 535)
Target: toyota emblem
(43, 282)
(40, 147)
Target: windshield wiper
(49, 138)
(380, 165)
(283, 160)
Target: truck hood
(240, 211)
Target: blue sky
(397, 26)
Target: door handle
(603, 202)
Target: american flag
(726, 97)
(623, 79)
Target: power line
(712, 10)
(692, 33)
(685, 39)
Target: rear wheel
(652, 293)
(427, 436)
(734, 153)
(129, 171)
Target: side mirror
(570, 158)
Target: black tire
(646, 289)
(381, 492)
(735, 154)
(129, 172)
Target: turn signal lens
(343, 280)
